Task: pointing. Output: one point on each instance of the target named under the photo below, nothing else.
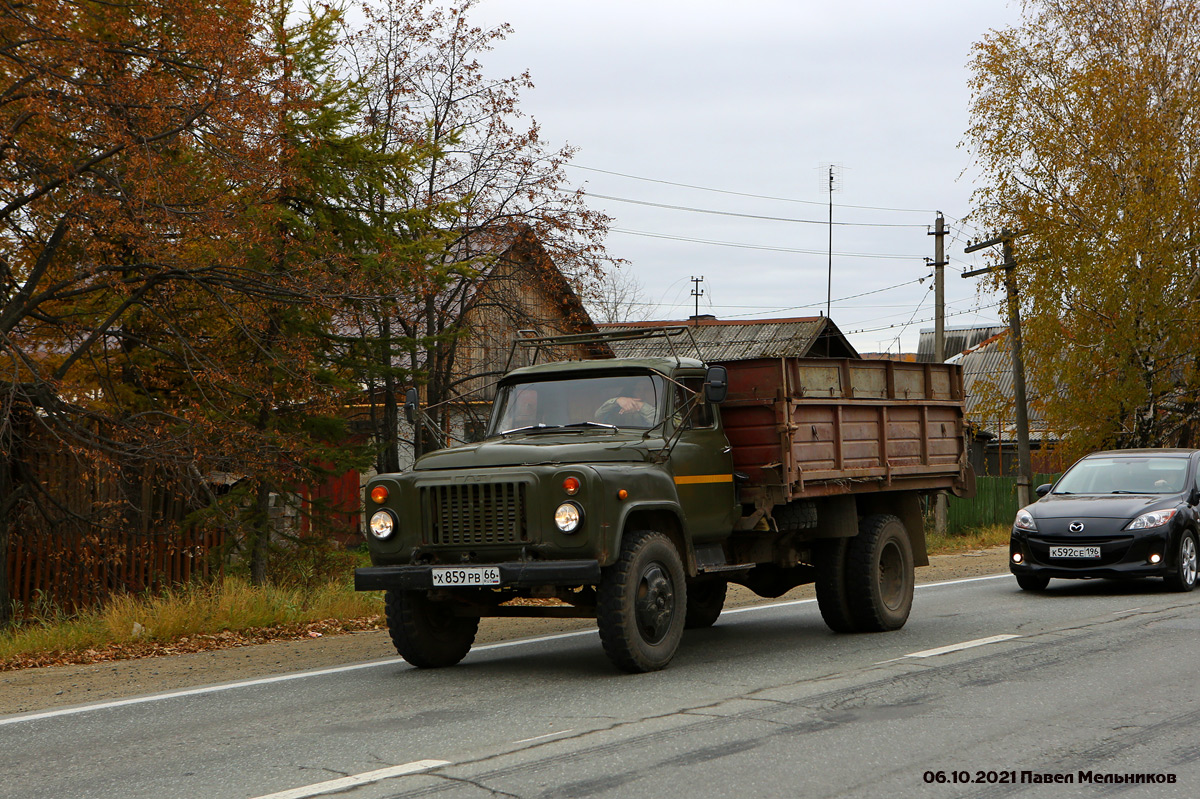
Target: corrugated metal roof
(957, 339)
(987, 371)
(722, 340)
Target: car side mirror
(1043, 489)
(716, 384)
(1194, 496)
(410, 406)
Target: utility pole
(1024, 464)
(939, 288)
(939, 337)
(697, 292)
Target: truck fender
(661, 517)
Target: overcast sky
(753, 98)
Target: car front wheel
(1187, 564)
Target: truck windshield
(626, 401)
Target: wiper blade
(531, 427)
(592, 424)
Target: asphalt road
(1097, 678)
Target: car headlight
(568, 517)
(1025, 521)
(383, 524)
(1155, 518)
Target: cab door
(702, 463)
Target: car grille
(1112, 550)
(474, 514)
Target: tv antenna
(831, 181)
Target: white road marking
(353, 780)
(212, 689)
(543, 737)
(943, 650)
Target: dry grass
(981, 538)
(201, 613)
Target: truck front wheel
(428, 634)
(642, 603)
(879, 574)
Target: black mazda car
(1126, 513)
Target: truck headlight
(383, 524)
(568, 517)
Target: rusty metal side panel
(821, 426)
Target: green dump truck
(634, 490)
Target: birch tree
(1085, 125)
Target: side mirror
(716, 384)
(410, 406)
(1043, 489)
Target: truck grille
(473, 514)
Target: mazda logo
(1076, 527)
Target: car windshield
(1124, 475)
(623, 401)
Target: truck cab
(578, 456)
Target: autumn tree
(1086, 124)
(489, 166)
(120, 133)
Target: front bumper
(1124, 555)
(513, 574)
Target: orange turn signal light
(622, 494)
(379, 495)
(571, 485)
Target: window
(689, 400)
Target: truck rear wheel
(642, 603)
(879, 574)
(427, 634)
(705, 600)
(831, 583)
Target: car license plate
(1074, 552)
(469, 576)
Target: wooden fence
(75, 548)
(995, 502)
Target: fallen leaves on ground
(226, 639)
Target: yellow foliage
(1085, 124)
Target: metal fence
(995, 502)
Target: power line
(974, 310)
(747, 194)
(764, 247)
(750, 216)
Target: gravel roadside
(63, 686)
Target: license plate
(474, 575)
(1074, 552)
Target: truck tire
(427, 634)
(879, 574)
(642, 603)
(832, 591)
(705, 600)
